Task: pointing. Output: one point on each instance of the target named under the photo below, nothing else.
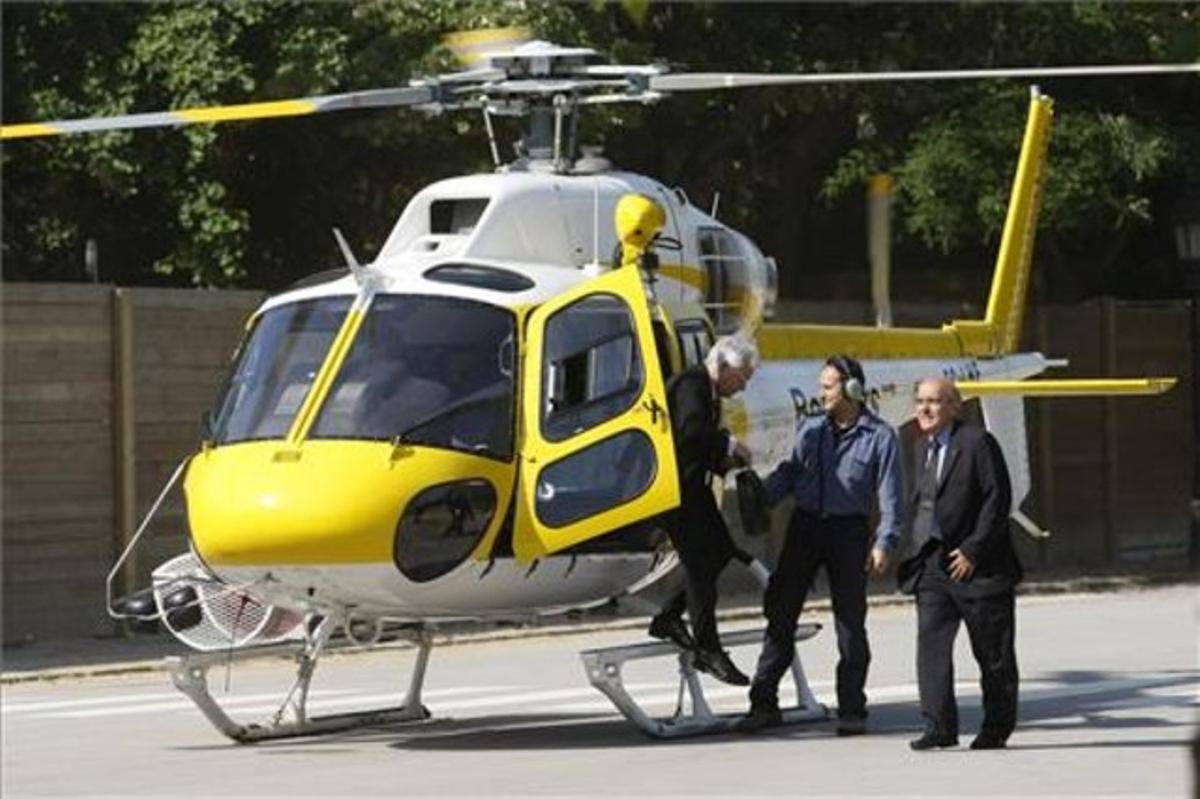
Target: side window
(606, 474)
(710, 259)
(694, 340)
(662, 345)
(592, 366)
(455, 216)
(724, 265)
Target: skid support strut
(189, 673)
(604, 665)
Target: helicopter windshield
(435, 371)
(277, 366)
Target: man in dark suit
(963, 568)
(696, 528)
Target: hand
(961, 567)
(877, 562)
(741, 455)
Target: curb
(1049, 589)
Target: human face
(934, 407)
(833, 396)
(731, 379)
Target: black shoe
(932, 741)
(851, 725)
(758, 719)
(718, 664)
(672, 628)
(987, 740)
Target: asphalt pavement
(1110, 690)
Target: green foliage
(252, 204)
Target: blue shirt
(841, 474)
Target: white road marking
(581, 699)
(21, 707)
(317, 698)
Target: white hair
(736, 351)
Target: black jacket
(974, 499)
(701, 446)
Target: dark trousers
(941, 606)
(699, 535)
(841, 545)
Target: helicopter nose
(324, 503)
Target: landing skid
(603, 668)
(189, 673)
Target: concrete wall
(103, 393)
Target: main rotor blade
(703, 81)
(376, 98)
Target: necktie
(931, 459)
(925, 523)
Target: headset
(854, 382)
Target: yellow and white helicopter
(473, 424)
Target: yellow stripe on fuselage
(688, 275)
(801, 342)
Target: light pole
(1186, 228)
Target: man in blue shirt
(841, 462)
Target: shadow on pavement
(1079, 703)
(1076, 713)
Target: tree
(251, 204)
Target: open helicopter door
(597, 453)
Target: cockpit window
(276, 368)
(434, 371)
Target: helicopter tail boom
(1000, 330)
(998, 333)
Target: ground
(1110, 686)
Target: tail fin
(999, 331)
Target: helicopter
(473, 425)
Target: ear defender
(853, 379)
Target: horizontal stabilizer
(1067, 388)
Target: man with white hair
(696, 527)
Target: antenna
(596, 221)
(594, 267)
(358, 270)
(716, 204)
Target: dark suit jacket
(974, 500)
(701, 446)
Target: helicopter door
(597, 452)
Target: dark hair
(847, 367)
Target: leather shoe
(672, 628)
(932, 741)
(851, 725)
(759, 718)
(988, 741)
(718, 664)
